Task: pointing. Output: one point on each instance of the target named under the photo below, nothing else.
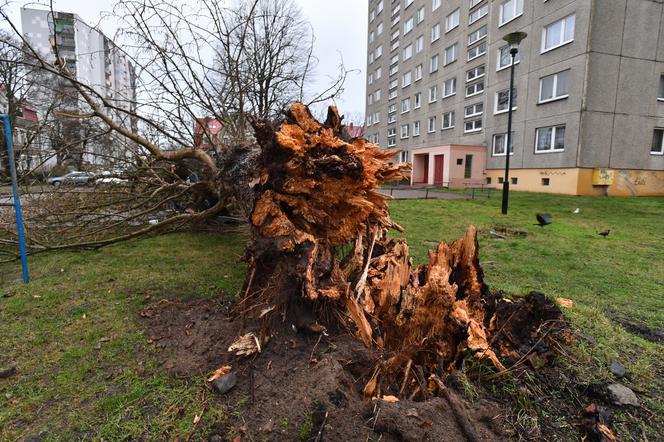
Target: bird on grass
(543, 219)
(604, 233)
(577, 211)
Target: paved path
(416, 194)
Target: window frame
(474, 107)
(454, 87)
(433, 89)
(452, 119)
(431, 63)
(514, 105)
(474, 86)
(553, 139)
(474, 129)
(493, 145)
(563, 30)
(483, 12)
(455, 50)
(435, 35)
(501, 18)
(468, 80)
(431, 128)
(486, 31)
(478, 54)
(517, 58)
(405, 104)
(416, 128)
(456, 13)
(407, 131)
(661, 144)
(554, 87)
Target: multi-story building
(94, 59)
(588, 108)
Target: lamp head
(513, 39)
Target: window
(370, 99)
(391, 108)
(371, 57)
(448, 120)
(657, 147)
(468, 168)
(379, 7)
(405, 105)
(488, 180)
(418, 72)
(392, 118)
(472, 126)
(473, 110)
(406, 79)
(396, 9)
(416, 129)
(435, 4)
(478, 13)
(515, 180)
(431, 127)
(407, 52)
(475, 73)
(433, 94)
(419, 44)
(558, 33)
(372, 15)
(377, 95)
(376, 117)
(379, 73)
(433, 64)
(459, 161)
(369, 120)
(509, 10)
(393, 83)
(545, 181)
(408, 3)
(435, 32)
(394, 69)
(450, 54)
(475, 89)
(404, 130)
(505, 58)
(417, 100)
(500, 145)
(502, 100)
(452, 20)
(449, 87)
(419, 16)
(477, 51)
(371, 37)
(371, 78)
(408, 25)
(554, 87)
(391, 142)
(395, 20)
(379, 28)
(476, 36)
(403, 156)
(394, 59)
(550, 139)
(392, 132)
(379, 51)
(474, 3)
(393, 94)
(660, 96)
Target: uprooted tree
(317, 194)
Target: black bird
(543, 219)
(605, 233)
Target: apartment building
(96, 61)
(588, 108)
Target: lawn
(86, 370)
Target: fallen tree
(318, 195)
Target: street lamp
(513, 39)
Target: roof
(354, 131)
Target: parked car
(73, 178)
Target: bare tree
(168, 181)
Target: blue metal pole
(17, 200)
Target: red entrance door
(438, 170)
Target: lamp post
(513, 39)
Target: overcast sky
(340, 27)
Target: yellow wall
(577, 181)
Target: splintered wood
(317, 195)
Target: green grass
(51, 328)
(70, 389)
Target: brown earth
(299, 375)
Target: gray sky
(340, 27)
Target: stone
(617, 369)
(6, 372)
(622, 395)
(225, 383)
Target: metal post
(506, 182)
(17, 200)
